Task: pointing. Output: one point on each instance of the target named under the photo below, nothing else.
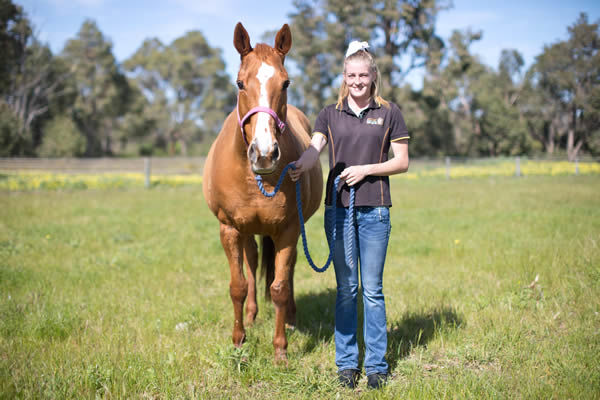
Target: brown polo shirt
(359, 140)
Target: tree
(593, 120)
(500, 130)
(186, 87)
(15, 32)
(30, 77)
(570, 72)
(496, 101)
(542, 113)
(8, 126)
(62, 138)
(138, 124)
(313, 66)
(406, 30)
(102, 91)
(449, 92)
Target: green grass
(124, 294)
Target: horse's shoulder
(299, 123)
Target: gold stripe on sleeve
(401, 138)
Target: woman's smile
(359, 78)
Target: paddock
(124, 293)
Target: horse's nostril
(276, 152)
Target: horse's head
(262, 98)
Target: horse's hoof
(238, 340)
(281, 357)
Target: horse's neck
(234, 139)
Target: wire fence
(154, 165)
(194, 165)
(518, 166)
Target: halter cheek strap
(279, 122)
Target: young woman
(360, 129)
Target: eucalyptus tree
(313, 67)
(15, 32)
(31, 78)
(569, 72)
(450, 113)
(102, 92)
(405, 37)
(186, 87)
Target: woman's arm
(397, 165)
(309, 157)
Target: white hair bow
(355, 46)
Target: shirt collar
(346, 107)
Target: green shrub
(62, 138)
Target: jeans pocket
(384, 218)
(384, 214)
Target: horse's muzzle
(266, 163)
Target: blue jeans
(372, 231)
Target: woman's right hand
(308, 158)
(301, 164)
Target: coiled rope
(330, 228)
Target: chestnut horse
(261, 137)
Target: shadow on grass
(315, 316)
(417, 329)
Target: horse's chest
(257, 216)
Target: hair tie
(356, 46)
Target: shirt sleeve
(322, 124)
(398, 130)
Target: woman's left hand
(355, 174)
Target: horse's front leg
(282, 289)
(251, 261)
(233, 242)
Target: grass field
(123, 293)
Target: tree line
(171, 98)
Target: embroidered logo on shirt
(375, 121)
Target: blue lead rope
(330, 228)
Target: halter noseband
(280, 123)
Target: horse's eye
(240, 85)
(286, 84)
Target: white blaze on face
(262, 134)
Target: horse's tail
(267, 263)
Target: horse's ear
(241, 40)
(283, 40)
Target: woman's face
(358, 78)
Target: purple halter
(255, 110)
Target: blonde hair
(365, 56)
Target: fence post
(147, 172)
(518, 166)
(576, 166)
(447, 167)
